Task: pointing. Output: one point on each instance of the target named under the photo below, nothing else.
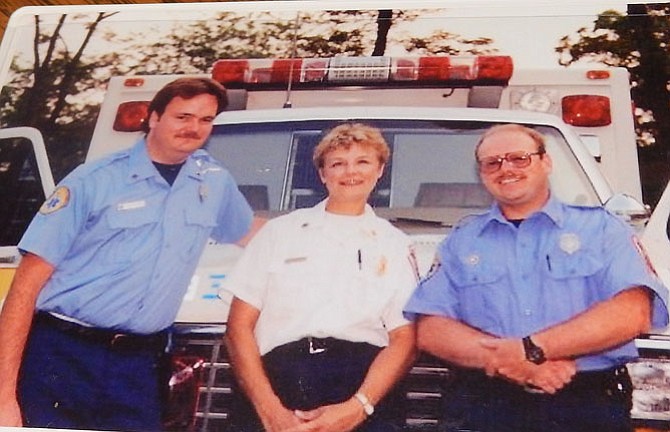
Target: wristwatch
(534, 353)
(367, 406)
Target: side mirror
(629, 209)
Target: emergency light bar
(445, 71)
(584, 110)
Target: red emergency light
(444, 71)
(586, 110)
(130, 116)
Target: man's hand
(342, 417)
(553, 375)
(507, 359)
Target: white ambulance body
(431, 110)
(595, 102)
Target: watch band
(534, 353)
(367, 406)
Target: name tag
(131, 205)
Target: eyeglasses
(519, 159)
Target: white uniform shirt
(312, 273)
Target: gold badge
(58, 199)
(381, 266)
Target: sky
(528, 30)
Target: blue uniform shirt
(512, 282)
(125, 244)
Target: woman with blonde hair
(316, 333)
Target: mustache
(190, 135)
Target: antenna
(294, 46)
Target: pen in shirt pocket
(360, 260)
(548, 263)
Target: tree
(55, 89)
(638, 41)
(56, 72)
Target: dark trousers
(592, 402)
(67, 381)
(304, 380)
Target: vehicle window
(432, 164)
(20, 187)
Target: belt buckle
(315, 349)
(117, 338)
(532, 389)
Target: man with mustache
(106, 263)
(536, 303)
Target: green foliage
(639, 41)
(59, 91)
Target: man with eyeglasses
(536, 303)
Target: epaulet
(203, 156)
(466, 220)
(585, 207)
(91, 167)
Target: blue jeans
(69, 382)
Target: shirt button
(528, 312)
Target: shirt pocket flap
(468, 274)
(200, 217)
(125, 219)
(579, 264)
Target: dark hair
(185, 88)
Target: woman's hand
(342, 417)
(280, 419)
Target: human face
(518, 191)
(181, 129)
(350, 175)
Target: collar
(554, 210)
(316, 216)
(141, 167)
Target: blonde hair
(347, 134)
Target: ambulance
(431, 110)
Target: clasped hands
(505, 358)
(344, 416)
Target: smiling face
(519, 191)
(350, 174)
(181, 129)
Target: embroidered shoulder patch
(643, 253)
(58, 199)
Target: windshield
(431, 177)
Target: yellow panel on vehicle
(6, 276)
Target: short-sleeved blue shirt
(125, 244)
(512, 282)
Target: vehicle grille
(212, 389)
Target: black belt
(615, 378)
(115, 340)
(314, 346)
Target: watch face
(535, 355)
